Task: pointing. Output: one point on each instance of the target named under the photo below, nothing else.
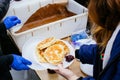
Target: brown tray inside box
(46, 14)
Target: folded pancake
(46, 43)
(54, 54)
(40, 56)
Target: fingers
(21, 67)
(17, 22)
(13, 18)
(24, 67)
(60, 68)
(26, 62)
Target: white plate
(28, 52)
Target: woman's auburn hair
(105, 16)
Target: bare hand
(68, 74)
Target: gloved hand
(81, 35)
(11, 21)
(20, 63)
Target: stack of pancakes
(51, 50)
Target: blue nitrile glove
(81, 35)
(11, 21)
(20, 63)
